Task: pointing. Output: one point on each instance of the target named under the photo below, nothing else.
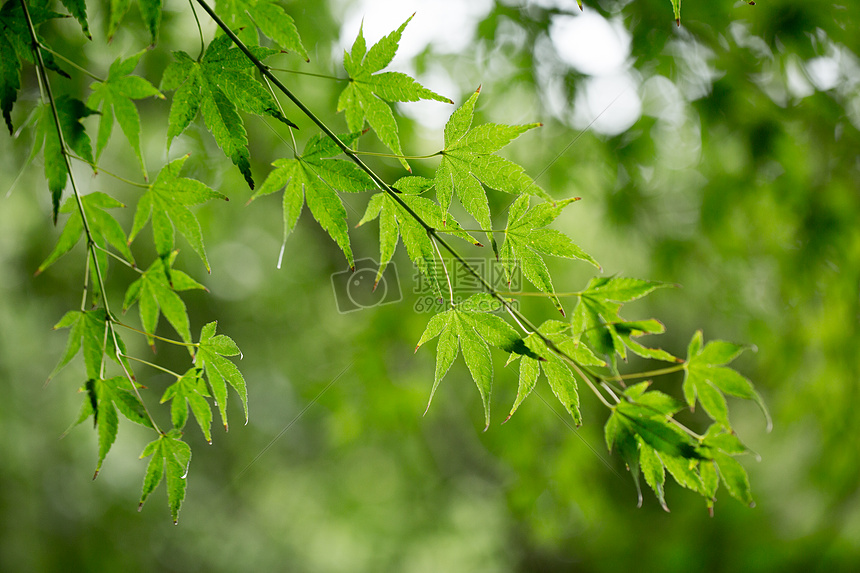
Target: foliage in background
(218, 84)
(730, 229)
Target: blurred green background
(726, 158)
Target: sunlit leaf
(315, 178)
(366, 98)
(219, 371)
(706, 379)
(526, 241)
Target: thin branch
(353, 156)
(445, 268)
(71, 63)
(45, 87)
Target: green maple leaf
(104, 228)
(219, 371)
(150, 13)
(104, 398)
(639, 428)
(367, 97)
(171, 457)
(467, 327)
(561, 380)
(70, 112)
(314, 177)
(707, 379)
(166, 201)
(190, 391)
(218, 85)
(526, 240)
(720, 445)
(267, 15)
(469, 163)
(89, 331)
(640, 431)
(115, 96)
(596, 319)
(155, 292)
(16, 46)
(395, 222)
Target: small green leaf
(477, 356)
(220, 371)
(269, 16)
(468, 164)
(464, 328)
(88, 331)
(597, 319)
(365, 99)
(166, 202)
(706, 378)
(115, 97)
(316, 178)
(561, 380)
(78, 9)
(218, 86)
(734, 477)
(155, 291)
(529, 371)
(564, 386)
(190, 391)
(657, 432)
(70, 112)
(526, 241)
(104, 228)
(171, 457)
(653, 471)
(395, 221)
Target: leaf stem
(86, 284)
(543, 294)
(452, 231)
(71, 63)
(648, 374)
(199, 31)
(324, 76)
(105, 171)
(445, 268)
(155, 336)
(283, 113)
(151, 365)
(120, 259)
(394, 155)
